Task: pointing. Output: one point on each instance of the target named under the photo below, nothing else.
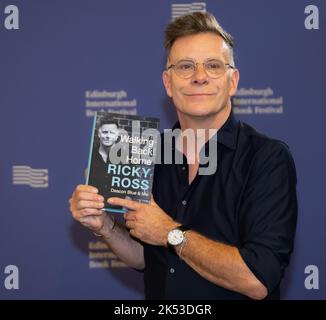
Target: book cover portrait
(122, 157)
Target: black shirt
(249, 202)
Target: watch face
(175, 237)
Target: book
(122, 157)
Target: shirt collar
(227, 135)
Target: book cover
(122, 157)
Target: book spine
(115, 210)
(91, 148)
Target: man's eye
(214, 65)
(186, 66)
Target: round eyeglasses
(187, 68)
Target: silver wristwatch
(176, 236)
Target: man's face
(108, 134)
(200, 95)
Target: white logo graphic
(257, 101)
(111, 101)
(101, 257)
(181, 9)
(35, 178)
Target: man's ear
(234, 82)
(167, 83)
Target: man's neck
(213, 122)
(203, 128)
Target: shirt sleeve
(268, 214)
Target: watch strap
(182, 228)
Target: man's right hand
(85, 206)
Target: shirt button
(183, 168)
(184, 202)
(172, 270)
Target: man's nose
(200, 76)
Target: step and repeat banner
(60, 61)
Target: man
(227, 235)
(108, 135)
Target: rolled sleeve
(268, 214)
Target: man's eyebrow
(192, 59)
(184, 58)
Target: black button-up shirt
(249, 202)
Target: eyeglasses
(187, 68)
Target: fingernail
(110, 200)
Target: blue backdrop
(71, 58)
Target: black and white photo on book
(122, 157)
